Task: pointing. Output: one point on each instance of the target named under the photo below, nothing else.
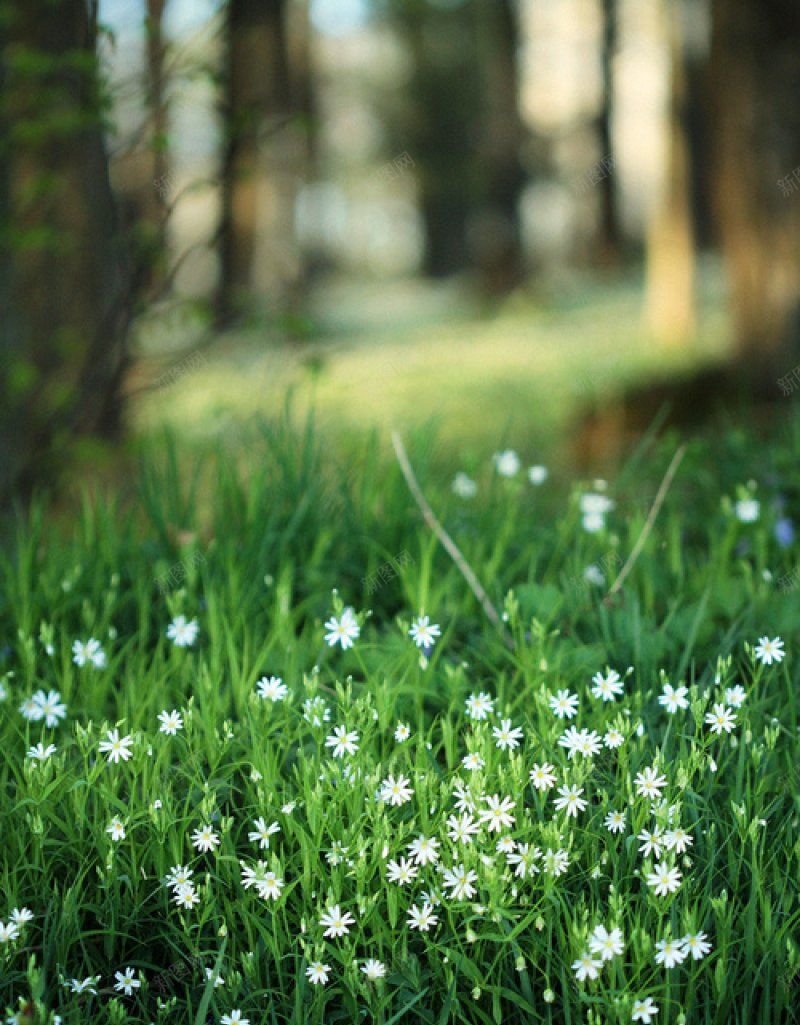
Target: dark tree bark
(65, 274)
(464, 132)
(755, 65)
(262, 161)
(498, 248)
(609, 241)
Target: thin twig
(661, 494)
(447, 542)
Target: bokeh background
(552, 224)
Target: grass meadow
(244, 779)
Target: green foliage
(252, 540)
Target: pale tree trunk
(756, 87)
(670, 282)
(263, 164)
(63, 326)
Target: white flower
(343, 631)
(318, 973)
(182, 632)
(615, 821)
(422, 918)
(537, 475)
(185, 895)
(336, 922)
(171, 722)
(736, 696)
(178, 875)
(564, 704)
(402, 733)
(473, 762)
(555, 863)
(721, 719)
(651, 842)
(217, 979)
(507, 463)
(205, 839)
(83, 985)
(506, 737)
(674, 698)
(261, 832)
(40, 753)
(126, 982)
(594, 575)
(505, 845)
(51, 708)
(670, 952)
(88, 651)
(479, 706)
(268, 884)
(116, 829)
(663, 879)
(697, 945)
(8, 931)
(607, 687)
(543, 776)
(423, 632)
(678, 840)
(272, 688)
(315, 711)
(497, 815)
(116, 747)
(747, 510)
(612, 738)
(342, 742)
(593, 503)
(524, 858)
(606, 944)
(586, 967)
(464, 486)
(424, 850)
(580, 742)
(234, 1018)
(649, 784)
(21, 916)
(644, 1011)
(396, 791)
(373, 969)
(570, 800)
(401, 872)
(769, 651)
(460, 881)
(461, 830)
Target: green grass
(396, 355)
(269, 546)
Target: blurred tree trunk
(264, 161)
(156, 92)
(65, 276)
(609, 240)
(756, 78)
(670, 292)
(496, 235)
(443, 98)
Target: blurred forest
(178, 174)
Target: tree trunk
(756, 85)
(65, 274)
(670, 294)
(264, 150)
(496, 235)
(608, 234)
